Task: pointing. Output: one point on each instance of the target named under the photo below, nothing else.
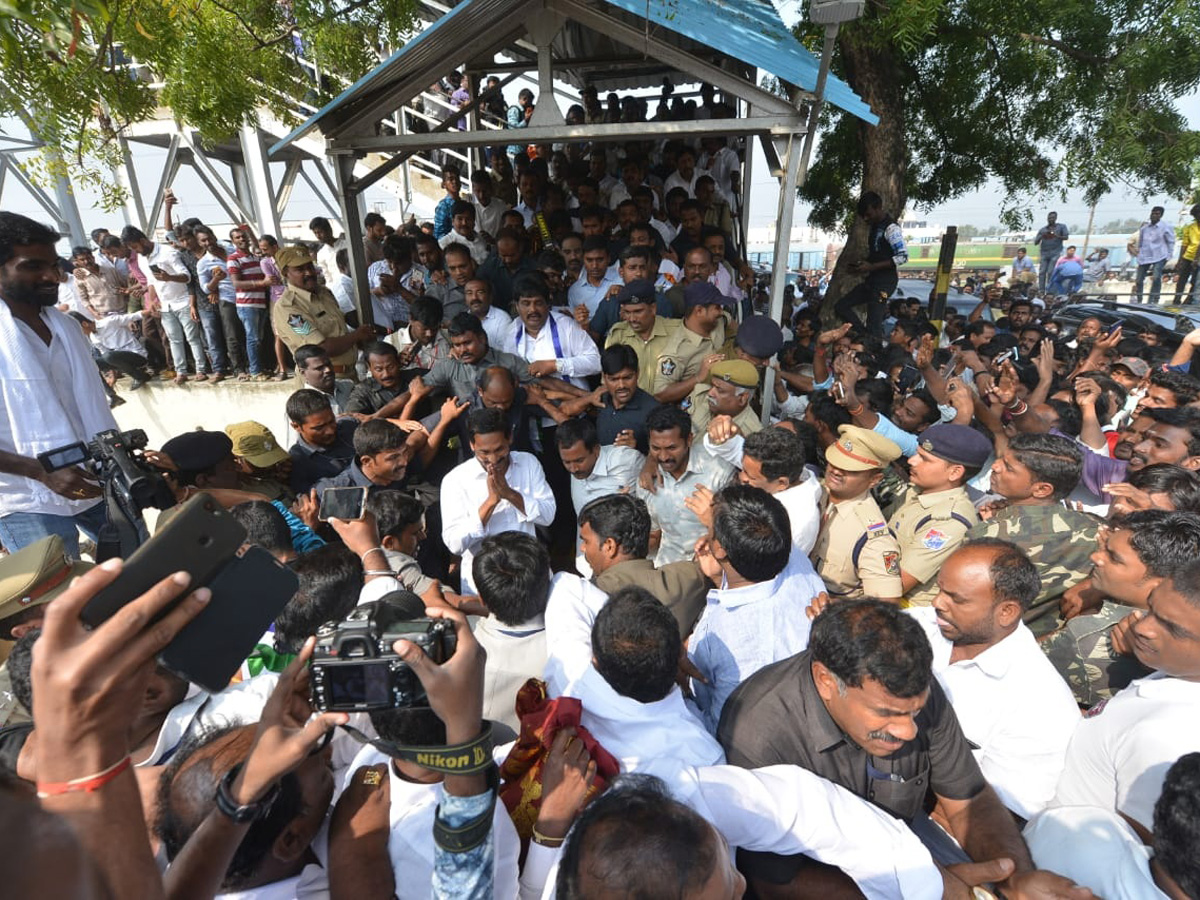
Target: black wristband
(473, 833)
(251, 812)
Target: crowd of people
(930, 629)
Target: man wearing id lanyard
(550, 341)
(555, 348)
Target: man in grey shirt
(1050, 238)
(682, 467)
(470, 355)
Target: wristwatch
(250, 812)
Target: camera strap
(469, 758)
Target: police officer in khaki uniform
(855, 554)
(643, 330)
(686, 358)
(729, 389)
(935, 513)
(307, 313)
(29, 579)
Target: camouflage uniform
(1082, 654)
(1058, 541)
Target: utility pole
(1087, 235)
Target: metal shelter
(607, 43)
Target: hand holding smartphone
(342, 503)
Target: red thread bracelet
(88, 783)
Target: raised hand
(833, 335)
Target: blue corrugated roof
(434, 41)
(749, 30)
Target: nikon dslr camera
(354, 668)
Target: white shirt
(410, 844)
(657, 737)
(790, 810)
(342, 288)
(721, 166)
(487, 218)
(679, 526)
(590, 295)
(496, 323)
(327, 260)
(465, 488)
(576, 353)
(803, 504)
(173, 295)
(1096, 849)
(311, 884)
(478, 246)
(675, 180)
(744, 629)
(115, 332)
(1121, 751)
(802, 500)
(237, 704)
(668, 233)
(616, 470)
(50, 396)
(527, 212)
(1014, 707)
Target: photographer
(51, 395)
(380, 830)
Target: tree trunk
(872, 71)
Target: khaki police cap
(860, 449)
(36, 575)
(734, 371)
(253, 442)
(292, 256)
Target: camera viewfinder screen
(68, 456)
(359, 684)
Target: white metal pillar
(352, 204)
(258, 176)
(126, 176)
(542, 29)
(68, 209)
(779, 263)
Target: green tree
(1121, 226)
(1042, 95)
(67, 74)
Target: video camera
(112, 454)
(130, 484)
(354, 668)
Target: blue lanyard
(558, 350)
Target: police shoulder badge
(934, 539)
(891, 562)
(299, 324)
(667, 367)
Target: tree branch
(262, 44)
(1066, 49)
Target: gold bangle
(539, 838)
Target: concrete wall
(163, 409)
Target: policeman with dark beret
(935, 512)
